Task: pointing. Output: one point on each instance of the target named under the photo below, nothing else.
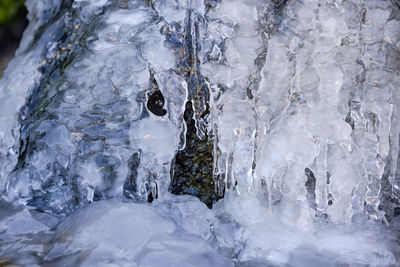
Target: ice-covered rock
(87, 119)
(292, 113)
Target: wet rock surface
(192, 168)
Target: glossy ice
(301, 99)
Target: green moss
(10, 9)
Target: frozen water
(141, 235)
(89, 119)
(300, 97)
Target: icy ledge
(182, 231)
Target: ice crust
(141, 235)
(301, 99)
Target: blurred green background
(11, 9)
(12, 24)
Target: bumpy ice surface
(300, 98)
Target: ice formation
(299, 97)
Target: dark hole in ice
(330, 199)
(129, 187)
(396, 211)
(310, 186)
(150, 198)
(155, 103)
(310, 183)
(152, 195)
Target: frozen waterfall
(202, 133)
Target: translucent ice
(300, 100)
(129, 234)
(83, 124)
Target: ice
(298, 106)
(93, 116)
(18, 82)
(322, 66)
(169, 233)
(298, 102)
(269, 236)
(22, 235)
